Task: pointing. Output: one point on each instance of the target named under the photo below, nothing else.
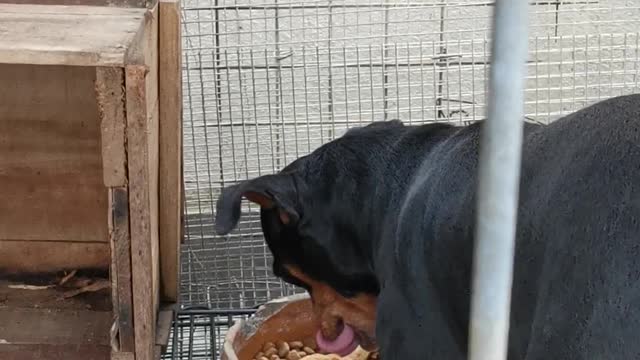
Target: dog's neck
(384, 207)
(373, 208)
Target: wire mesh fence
(268, 81)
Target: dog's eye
(347, 293)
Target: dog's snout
(333, 311)
(331, 326)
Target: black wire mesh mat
(198, 333)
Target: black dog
(383, 218)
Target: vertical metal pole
(499, 175)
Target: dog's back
(387, 211)
(576, 289)
(580, 215)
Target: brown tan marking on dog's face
(332, 310)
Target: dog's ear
(270, 192)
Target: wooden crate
(90, 179)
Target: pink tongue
(343, 345)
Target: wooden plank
(51, 182)
(111, 107)
(117, 355)
(141, 211)
(163, 329)
(121, 267)
(34, 257)
(67, 35)
(142, 140)
(153, 111)
(120, 3)
(15, 7)
(170, 95)
(165, 320)
(12, 296)
(155, 203)
(54, 352)
(37, 324)
(27, 326)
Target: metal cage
(266, 81)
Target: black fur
(389, 209)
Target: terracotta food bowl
(289, 319)
(285, 319)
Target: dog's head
(310, 213)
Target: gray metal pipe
(499, 176)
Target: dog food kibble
(283, 348)
(306, 350)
